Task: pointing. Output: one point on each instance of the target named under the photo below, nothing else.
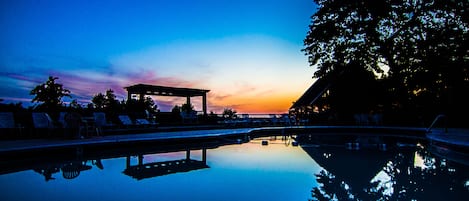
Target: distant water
(249, 171)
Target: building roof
(313, 93)
(318, 88)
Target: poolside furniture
(189, 117)
(61, 119)
(287, 120)
(244, 120)
(42, 120)
(126, 121)
(361, 119)
(145, 122)
(7, 122)
(73, 124)
(100, 122)
(273, 119)
(72, 170)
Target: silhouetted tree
(105, 101)
(50, 94)
(423, 43)
(187, 108)
(98, 100)
(110, 100)
(229, 113)
(176, 109)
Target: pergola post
(141, 97)
(188, 101)
(204, 104)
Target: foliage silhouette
(439, 179)
(422, 43)
(50, 94)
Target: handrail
(429, 129)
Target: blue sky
(247, 52)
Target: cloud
(241, 72)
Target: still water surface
(248, 171)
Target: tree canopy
(50, 94)
(421, 46)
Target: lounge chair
(101, 122)
(145, 122)
(7, 122)
(126, 121)
(189, 117)
(42, 121)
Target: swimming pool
(231, 171)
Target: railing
(437, 118)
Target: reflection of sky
(237, 172)
(246, 52)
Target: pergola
(143, 89)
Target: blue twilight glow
(242, 51)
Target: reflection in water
(238, 171)
(390, 175)
(70, 170)
(247, 171)
(154, 169)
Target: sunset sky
(246, 52)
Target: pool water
(248, 171)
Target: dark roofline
(164, 90)
(317, 89)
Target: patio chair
(7, 122)
(101, 122)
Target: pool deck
(459, 137)
(454, 137)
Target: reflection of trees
(332, 188)
(438, 179)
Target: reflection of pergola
(142, 89)
(154, 169)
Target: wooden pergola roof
(144, 89)
(165, 91)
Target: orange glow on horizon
(274, 104)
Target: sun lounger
(101, 122)
(189, 117)
(126, 121)
(7, 122)
(42, 120)
(145, 122)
